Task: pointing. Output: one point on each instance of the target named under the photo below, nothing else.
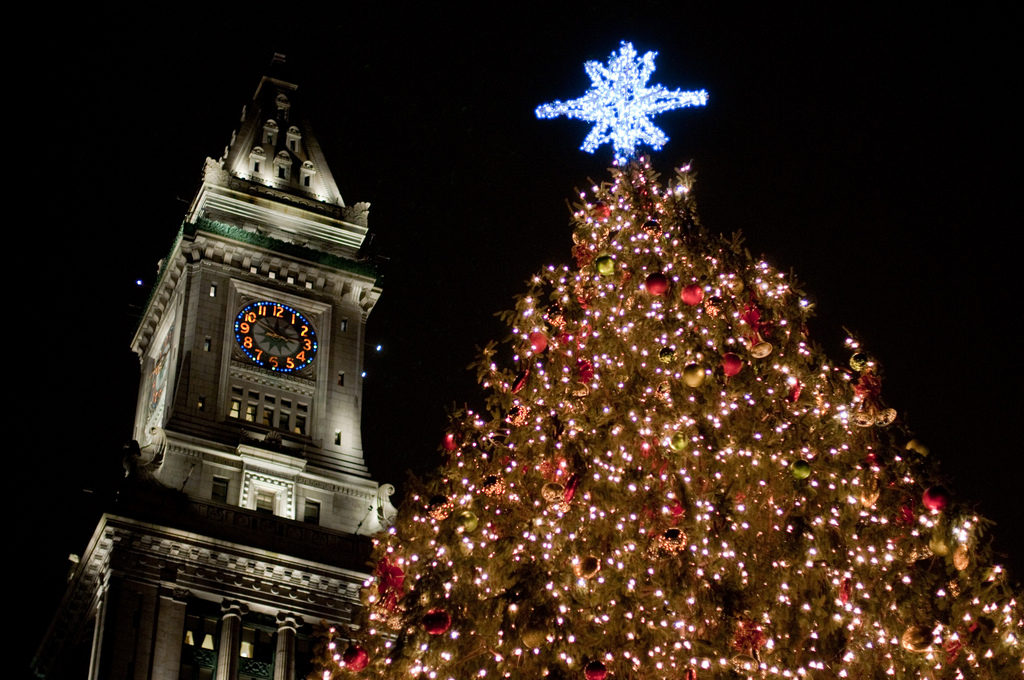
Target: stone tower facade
(248, 503)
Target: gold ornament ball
(917, 639)
(885, 417)
(693, 375)
(466, 521)
(605, 265)
(493, 486)
(587, 567)
(440, 507)
(801, 469)
(917, 447)
(666, 355)
(552, 492)
(870, 491)
(859, 361)
(672, 541)
(678, 442)
(961, 557)
(534, 638)
(938, 545)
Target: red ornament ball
(731, 364)
(656, 284)
(355, 658)
(437, 622)
(602, 211)
(693, 294)
(538, 342)
(936, 498)
(450, 443)
(595, 670)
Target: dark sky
(867, 149)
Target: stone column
(170, 630)
(284, 658)
(98, 631)
(230, 639)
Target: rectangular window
(305, 180)
(256, 166)
(213, 290)
(291, 279)
(311, 513)
(201, 404)
(341, 379)
(282, 420)
(344, 325)
(309, 284)
(280, 172)
(220, 490)
(236, 408)
(292, 144)
(337, 437)
(248, 650)
(300, 424)
(272, 274)
(268, 416)
(206, 345)
(265, 502)
(250, 412)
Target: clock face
(275, 336)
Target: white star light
(620, 104)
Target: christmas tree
(672, 481)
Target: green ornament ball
(801, 469)
(693, 375)
(467, 521)
(605, 265)
(678, 442)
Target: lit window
(250, 412)
(206, 345)
(300, 424)
(291, 279)
(248, 643)
(213, 290)
(201, 404)
(253, 270)
(337, 437)
(272, 274)
(309, 284)
(236, 408)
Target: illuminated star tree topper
(620, 104)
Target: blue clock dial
(275, 336)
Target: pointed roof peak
(275, 159)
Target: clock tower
(248, 503)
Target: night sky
(867, 149)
